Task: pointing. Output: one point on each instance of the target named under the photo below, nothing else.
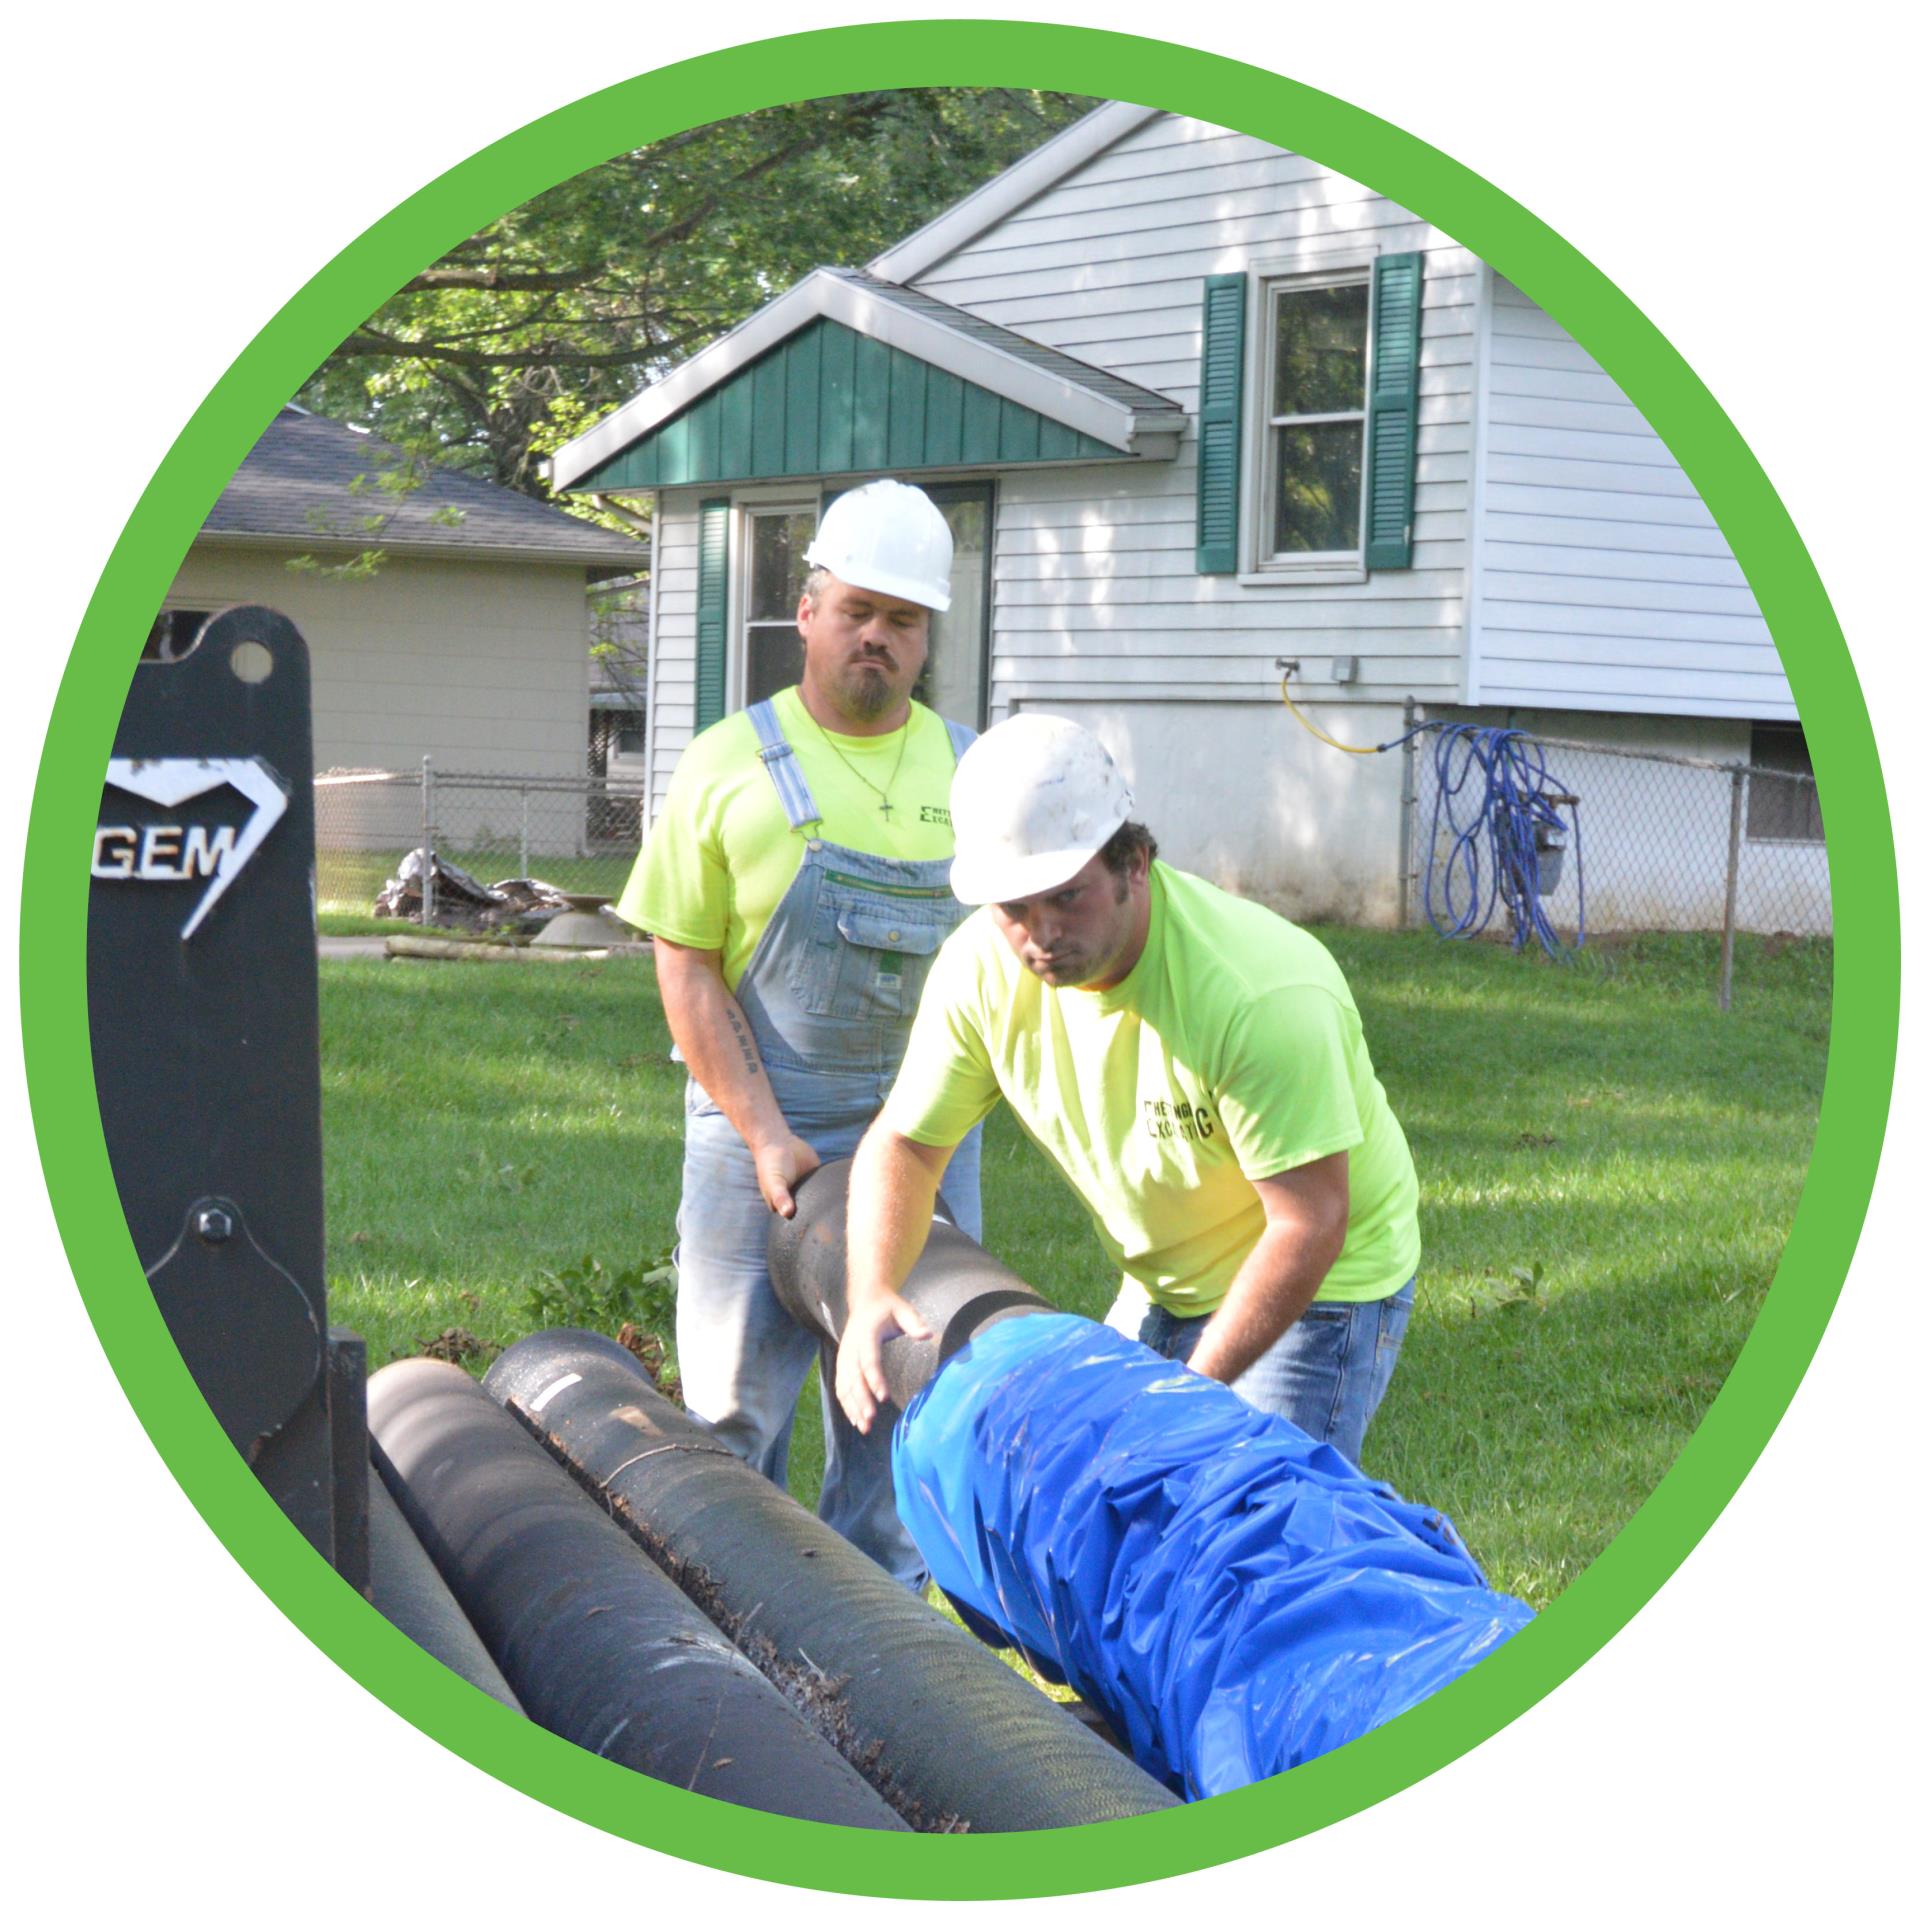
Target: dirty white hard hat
(1034, 799)
(889, 538)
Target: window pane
(1320, 350)
(780, 542)
(1318, 506)
(950, 682)
(773, 661)
(1782, 809)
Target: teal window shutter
(710, 616)
(1223, 323)
(1393, 410)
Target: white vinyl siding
(1094, 581)
(1600, 578)
(676, 595)
(1099, 593)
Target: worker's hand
(780, 1165)
(858, 1380)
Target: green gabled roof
(830, 400)
(847, 374)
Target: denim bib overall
(829, 995)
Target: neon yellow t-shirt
(721, 854)
(1230, 1053)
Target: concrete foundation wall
(1244, 796)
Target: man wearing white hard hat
(1193, 1065)
(796, 888)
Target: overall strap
(962, 736)
(783, 767)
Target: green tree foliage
(559, 311)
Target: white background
(176, 175)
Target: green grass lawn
(1608, 1165)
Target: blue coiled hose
(1497, 799)
(1517, 804)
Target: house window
(1307, 431)
(954, 681)
(776, 570)
(1782, 801)
(1314, 380)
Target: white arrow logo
(167, 783)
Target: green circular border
(1479, 217)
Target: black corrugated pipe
(599, 1645)
(408, 1589)
(950, 1735)
(959, 1288)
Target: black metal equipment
(202, 992)
(202, 985)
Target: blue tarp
(1231, 1594)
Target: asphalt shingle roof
(297, 484)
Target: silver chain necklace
(899, 760)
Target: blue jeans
(829, 995)
(1327, 1373)
(743, 1362)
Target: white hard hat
(888, 538)
(1034, 799)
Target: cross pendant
(886, 808)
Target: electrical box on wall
(1346, 669)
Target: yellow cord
(1308, 724)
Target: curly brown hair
(1127, 845)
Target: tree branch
(365, 345)
(503, 279)
(861, 120)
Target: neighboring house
(469, 641)
(1196, 405)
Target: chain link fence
(1652, 843)
(578, 834)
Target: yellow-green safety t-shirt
(1231, 1052)
(721, 854)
